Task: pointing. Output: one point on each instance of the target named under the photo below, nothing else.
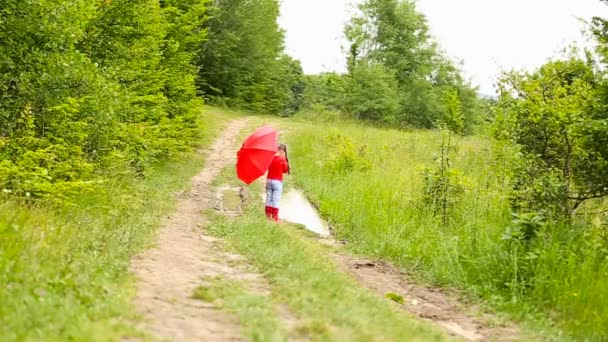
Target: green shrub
(344, 156)
(443, 184)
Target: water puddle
(229, 201)
(295, 208)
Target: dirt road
(169, 273)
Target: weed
(395, 297)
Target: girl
(274, 182)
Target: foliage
(89, 86)
(242, 62)
(443, 185)
(372, 93)
(344, 156)
(599, 28)
(525, 226)
(528, 265)
(64, 268)
(326, 91)
(549, 115)
(394, 35)
(293, 84)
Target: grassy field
(64, 270)
(369, 183)
(330, 305)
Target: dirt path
(169, 273)
(435, 305)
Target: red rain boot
(275, 214)
(269, 212)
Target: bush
(443, 185)
(344, 156)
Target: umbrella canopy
(256, 154)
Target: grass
(330, 305)
(381, 212)
(256, 313)
(64, 270)
(395, 298)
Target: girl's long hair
(283, 147)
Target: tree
(326, 90)
(184, 35)
(242, 63)
(392, 33)
(372, 93)
(292, 85)
(87, 86)
(599, 28)
(551, 115)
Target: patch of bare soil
(184, 256)
(428, 303)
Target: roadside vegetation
(505, 199)
(65, 268)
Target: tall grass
(562, 274)
(64, 268)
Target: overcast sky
(488, 35)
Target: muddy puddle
(295, 208)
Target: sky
(489, 36)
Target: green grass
(256, 313)
(382, 214)
(395, 297)
(331, 305)
(64, 270)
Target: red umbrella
(256, 154)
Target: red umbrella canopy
(256, 154)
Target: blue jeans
(274, 188)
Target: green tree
(599, 28)
(89, 85)
(55, 107)
(184, 35)
(394, 34)
(242, 62)
(147, 47)
(454, 117)
(372, 93)
(292, 85)
(326, 90)
(550, 115)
